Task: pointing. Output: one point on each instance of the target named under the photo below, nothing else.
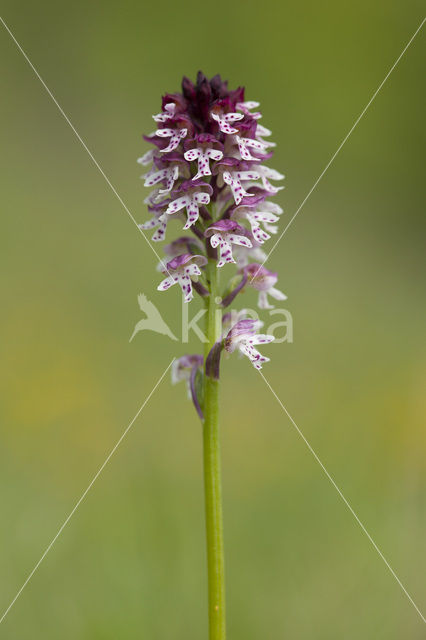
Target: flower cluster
(207, 170)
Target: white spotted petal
(175, 135)
(223, 121)
(203, 156)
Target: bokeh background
(131, 562)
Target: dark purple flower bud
(219, 87)
(213, 361)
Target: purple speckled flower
(254, 215)
(158, 220)
(242, 336)
(203, 148)
(224, 234)
(181, 269)
(263, 280)
(194, 196)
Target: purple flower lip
(227, 225)
(184, 258)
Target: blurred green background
(131, 562)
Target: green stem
(212, 473)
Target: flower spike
(207, 169)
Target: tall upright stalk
(212, 474)
(207, 168)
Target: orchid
(181, 269)
(193, 197)
(169, 175)
(208, 174)
(224, 234)
(265, 173)
(263, 280)
(223, 121)
(203, 152)
(243, 336)
(246, 106)
(254, 218)
(234, 179)
(245, 144)
(175, 135)
(158, 220)
(167, 114)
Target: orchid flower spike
(207, 173)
